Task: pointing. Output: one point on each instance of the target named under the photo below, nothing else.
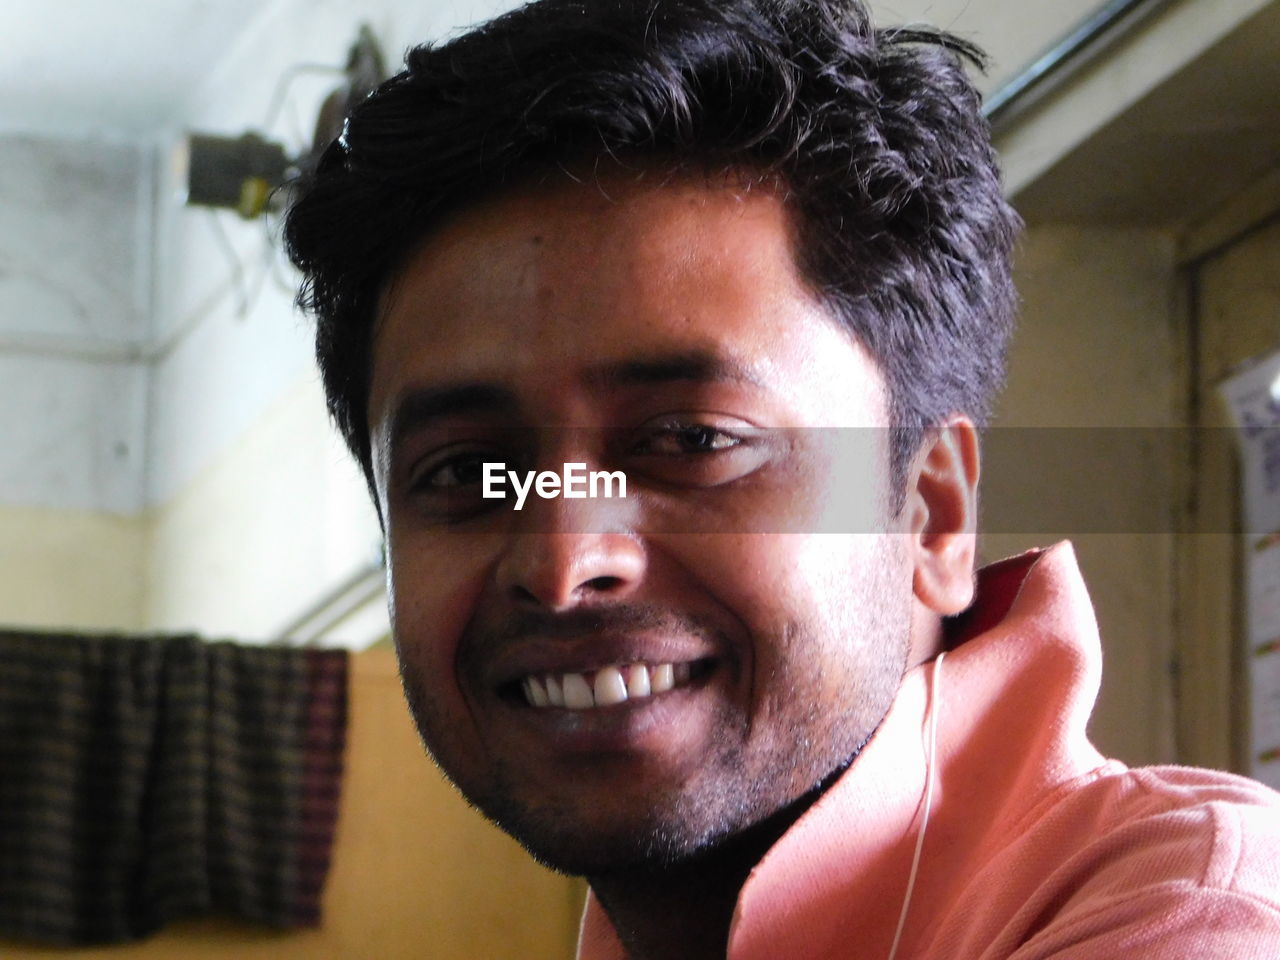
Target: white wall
(158, 399)
(74, 282)
(276, 521)
(73, 310)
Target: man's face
(661, 330)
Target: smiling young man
(753, 257)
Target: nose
(567, 552)
(560, 571)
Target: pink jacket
(1037, 846)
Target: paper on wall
(1253, 396)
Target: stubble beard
(740, 785)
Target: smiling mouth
(608, 686)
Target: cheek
(821, 609)
(773, 584)
(833, 481)
(434, 585)
(787, 577)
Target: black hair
(875, 135)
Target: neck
(684, 911)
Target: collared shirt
(1037, 846)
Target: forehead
(537, 286)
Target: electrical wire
(935, 704)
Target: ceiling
(125, 67)
(119, 69)
(1179, 153)
(112, 68)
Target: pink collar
(1018, 685)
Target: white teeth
(606, 687)
(577, 694)
(535, 692)
(663, 678)
(555, 692)
(609, 687)
(638, 680)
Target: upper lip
(584, 654)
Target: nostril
(524, 594)
(603, 584)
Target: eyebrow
(419, 407)
(694, 366)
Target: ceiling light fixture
(245, 173)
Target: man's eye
(689, 451)
(458, 470)
(681, 438)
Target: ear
(941, 515)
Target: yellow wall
(1100, 346)
(416, 873)
(1237, 321)
(70, 569)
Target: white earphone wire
(935, 703)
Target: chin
(586, 843)
(585, 848)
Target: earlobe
(942, 515)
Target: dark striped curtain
(145, 779)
